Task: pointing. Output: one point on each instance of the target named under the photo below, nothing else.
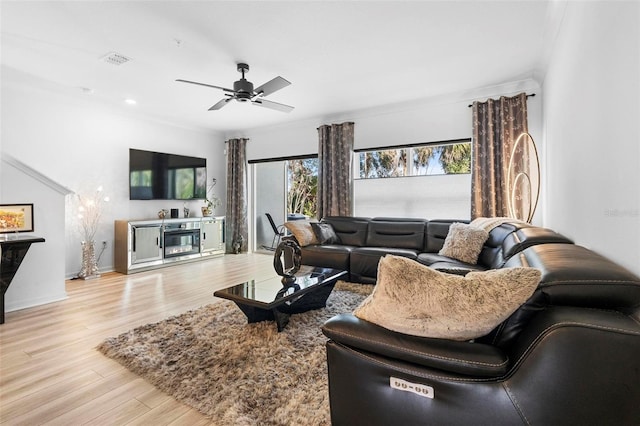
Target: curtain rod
(528, 96)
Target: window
(416, 160)
(302, 186)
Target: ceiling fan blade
(271, 86)
(220, 104)
(206, 85)
(272, 105)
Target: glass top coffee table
(270, 300)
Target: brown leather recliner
(569, 356)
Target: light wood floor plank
(120, 415)
(153, 398)
(51, 373)
(192, 418)
(113, 399)
(164, 414)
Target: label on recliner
(417, 388)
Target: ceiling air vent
(114, 58)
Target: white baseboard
(24, 304)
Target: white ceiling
(340, 56)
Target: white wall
(591, 115)
(438, 119)
(40, 277)
(82, 143)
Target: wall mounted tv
(159, 176)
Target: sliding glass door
(285, 189)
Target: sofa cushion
(302, 231)
(527, 237)
(398, 233)
(334, 256)
(464, 242)
(436, 233)
(455, 267)
(325, 233)
(447, 264)
(414, 299)
(364, 260)
(576, 276)
(431, 258)
(491, 254)
(351, 231)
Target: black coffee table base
(280, 314)
(271, 300)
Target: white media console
(147, 244)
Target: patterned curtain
(237, 235)
(335, 177)
(496, 126)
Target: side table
(13, 252)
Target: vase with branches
(90, 209)
(212, 201)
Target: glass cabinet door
(146, 244)
(212, 237)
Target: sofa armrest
(467, 358)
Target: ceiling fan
(243, 91)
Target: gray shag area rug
(238, 373)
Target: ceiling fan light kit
(243, 91)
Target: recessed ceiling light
(130, 101)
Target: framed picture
(16, 218)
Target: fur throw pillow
(464, 242)
(414, 299)
(301, 229)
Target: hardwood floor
(50, 372)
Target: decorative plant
(212, 201)
(89, 212)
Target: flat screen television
(160, 176)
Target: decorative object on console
(212, 201)
(16, 218)
(414, 299)
(163, 213)
(287, 260)
(302, 231)
(522, 186)
(89, 212)
(464, 242)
